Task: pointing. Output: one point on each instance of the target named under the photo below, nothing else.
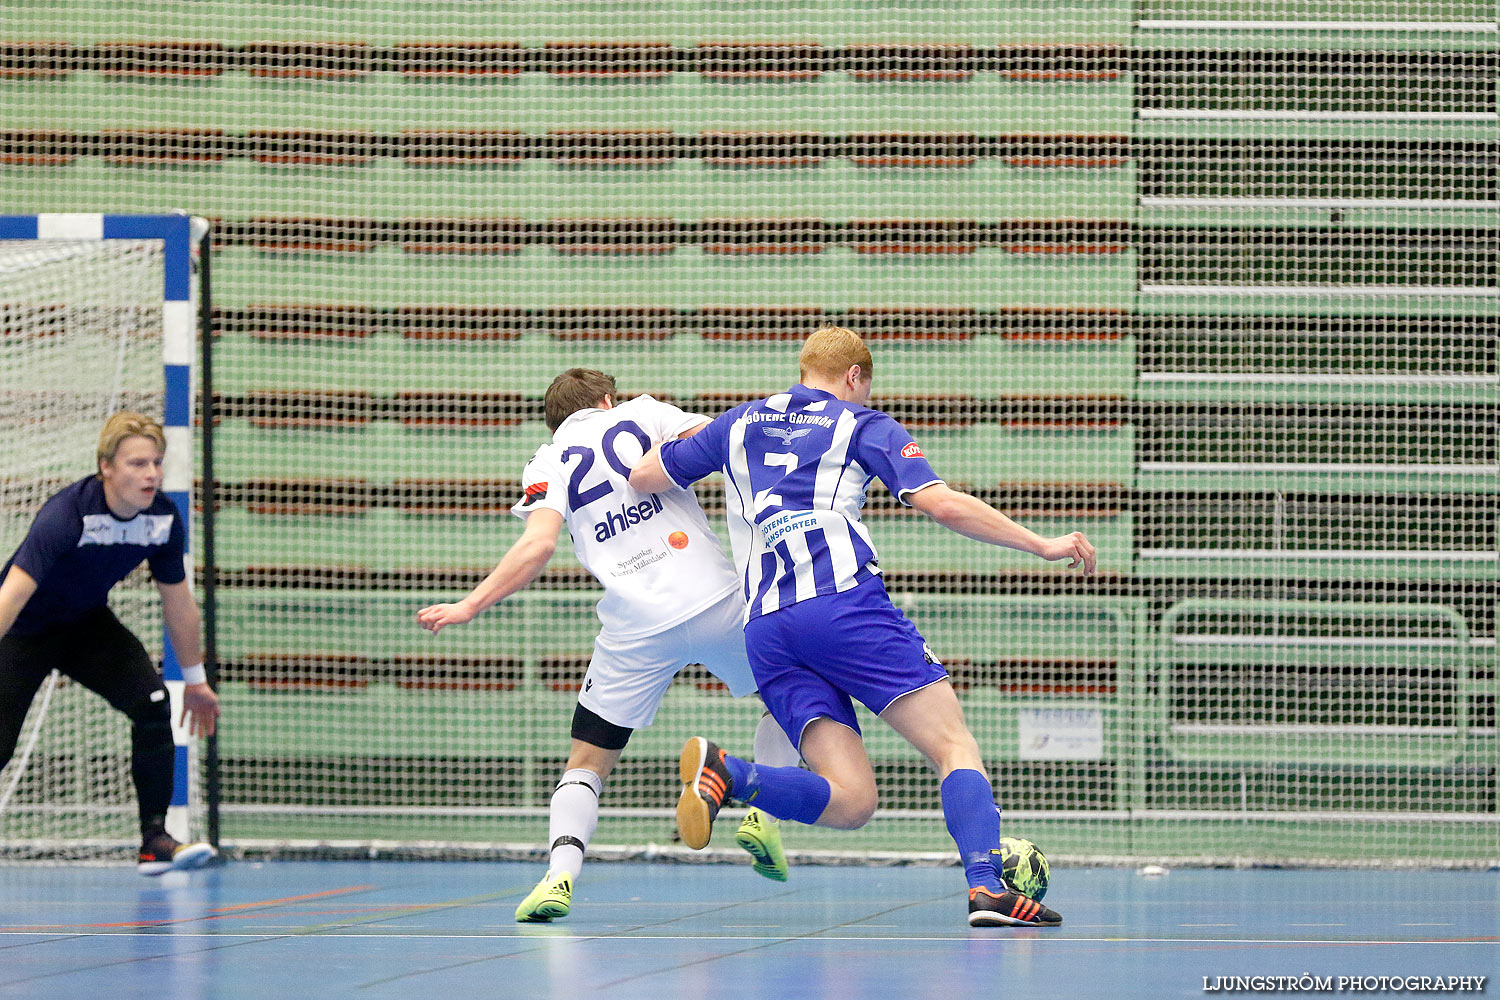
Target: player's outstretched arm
(15, 591)
(649, 476)
(973, 518)
(518, 567)
(179, 610)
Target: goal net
(1217, 283)
(80, 338)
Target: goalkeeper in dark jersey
(54, 613)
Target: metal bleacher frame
(1335, 640)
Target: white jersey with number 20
(655, 554)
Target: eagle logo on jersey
(534, 492)
(786, 436)
(912, 451)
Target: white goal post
(97, 314)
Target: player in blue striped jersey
(820, 629)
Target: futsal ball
(1024, 867)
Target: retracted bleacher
(1216, 282)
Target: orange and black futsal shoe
(706, 783)
(1008, 909)
(161, 854)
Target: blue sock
(783, 792)
(974, 824)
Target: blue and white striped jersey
(796, 467)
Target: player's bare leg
(837, 754)
(932, 720)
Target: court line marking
(234, 940)
(1050, 936)
(401, 909)
(45, 939)
(474, 961)
(628, 935)
(818, 935)
(217, 913)
(250, 939)
(525, 951)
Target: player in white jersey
(671, 597)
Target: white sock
(573, 819)
(772, 748)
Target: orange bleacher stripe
(1066, 161)
(1066, 248)
(1062, 74)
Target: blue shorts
(811, 658)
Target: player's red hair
(833, 350)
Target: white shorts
(627, 679)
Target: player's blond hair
(831, 351)
(575, 389)
(128, 423)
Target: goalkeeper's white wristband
(195, 674)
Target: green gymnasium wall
(1215, 282)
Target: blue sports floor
(444, 931)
